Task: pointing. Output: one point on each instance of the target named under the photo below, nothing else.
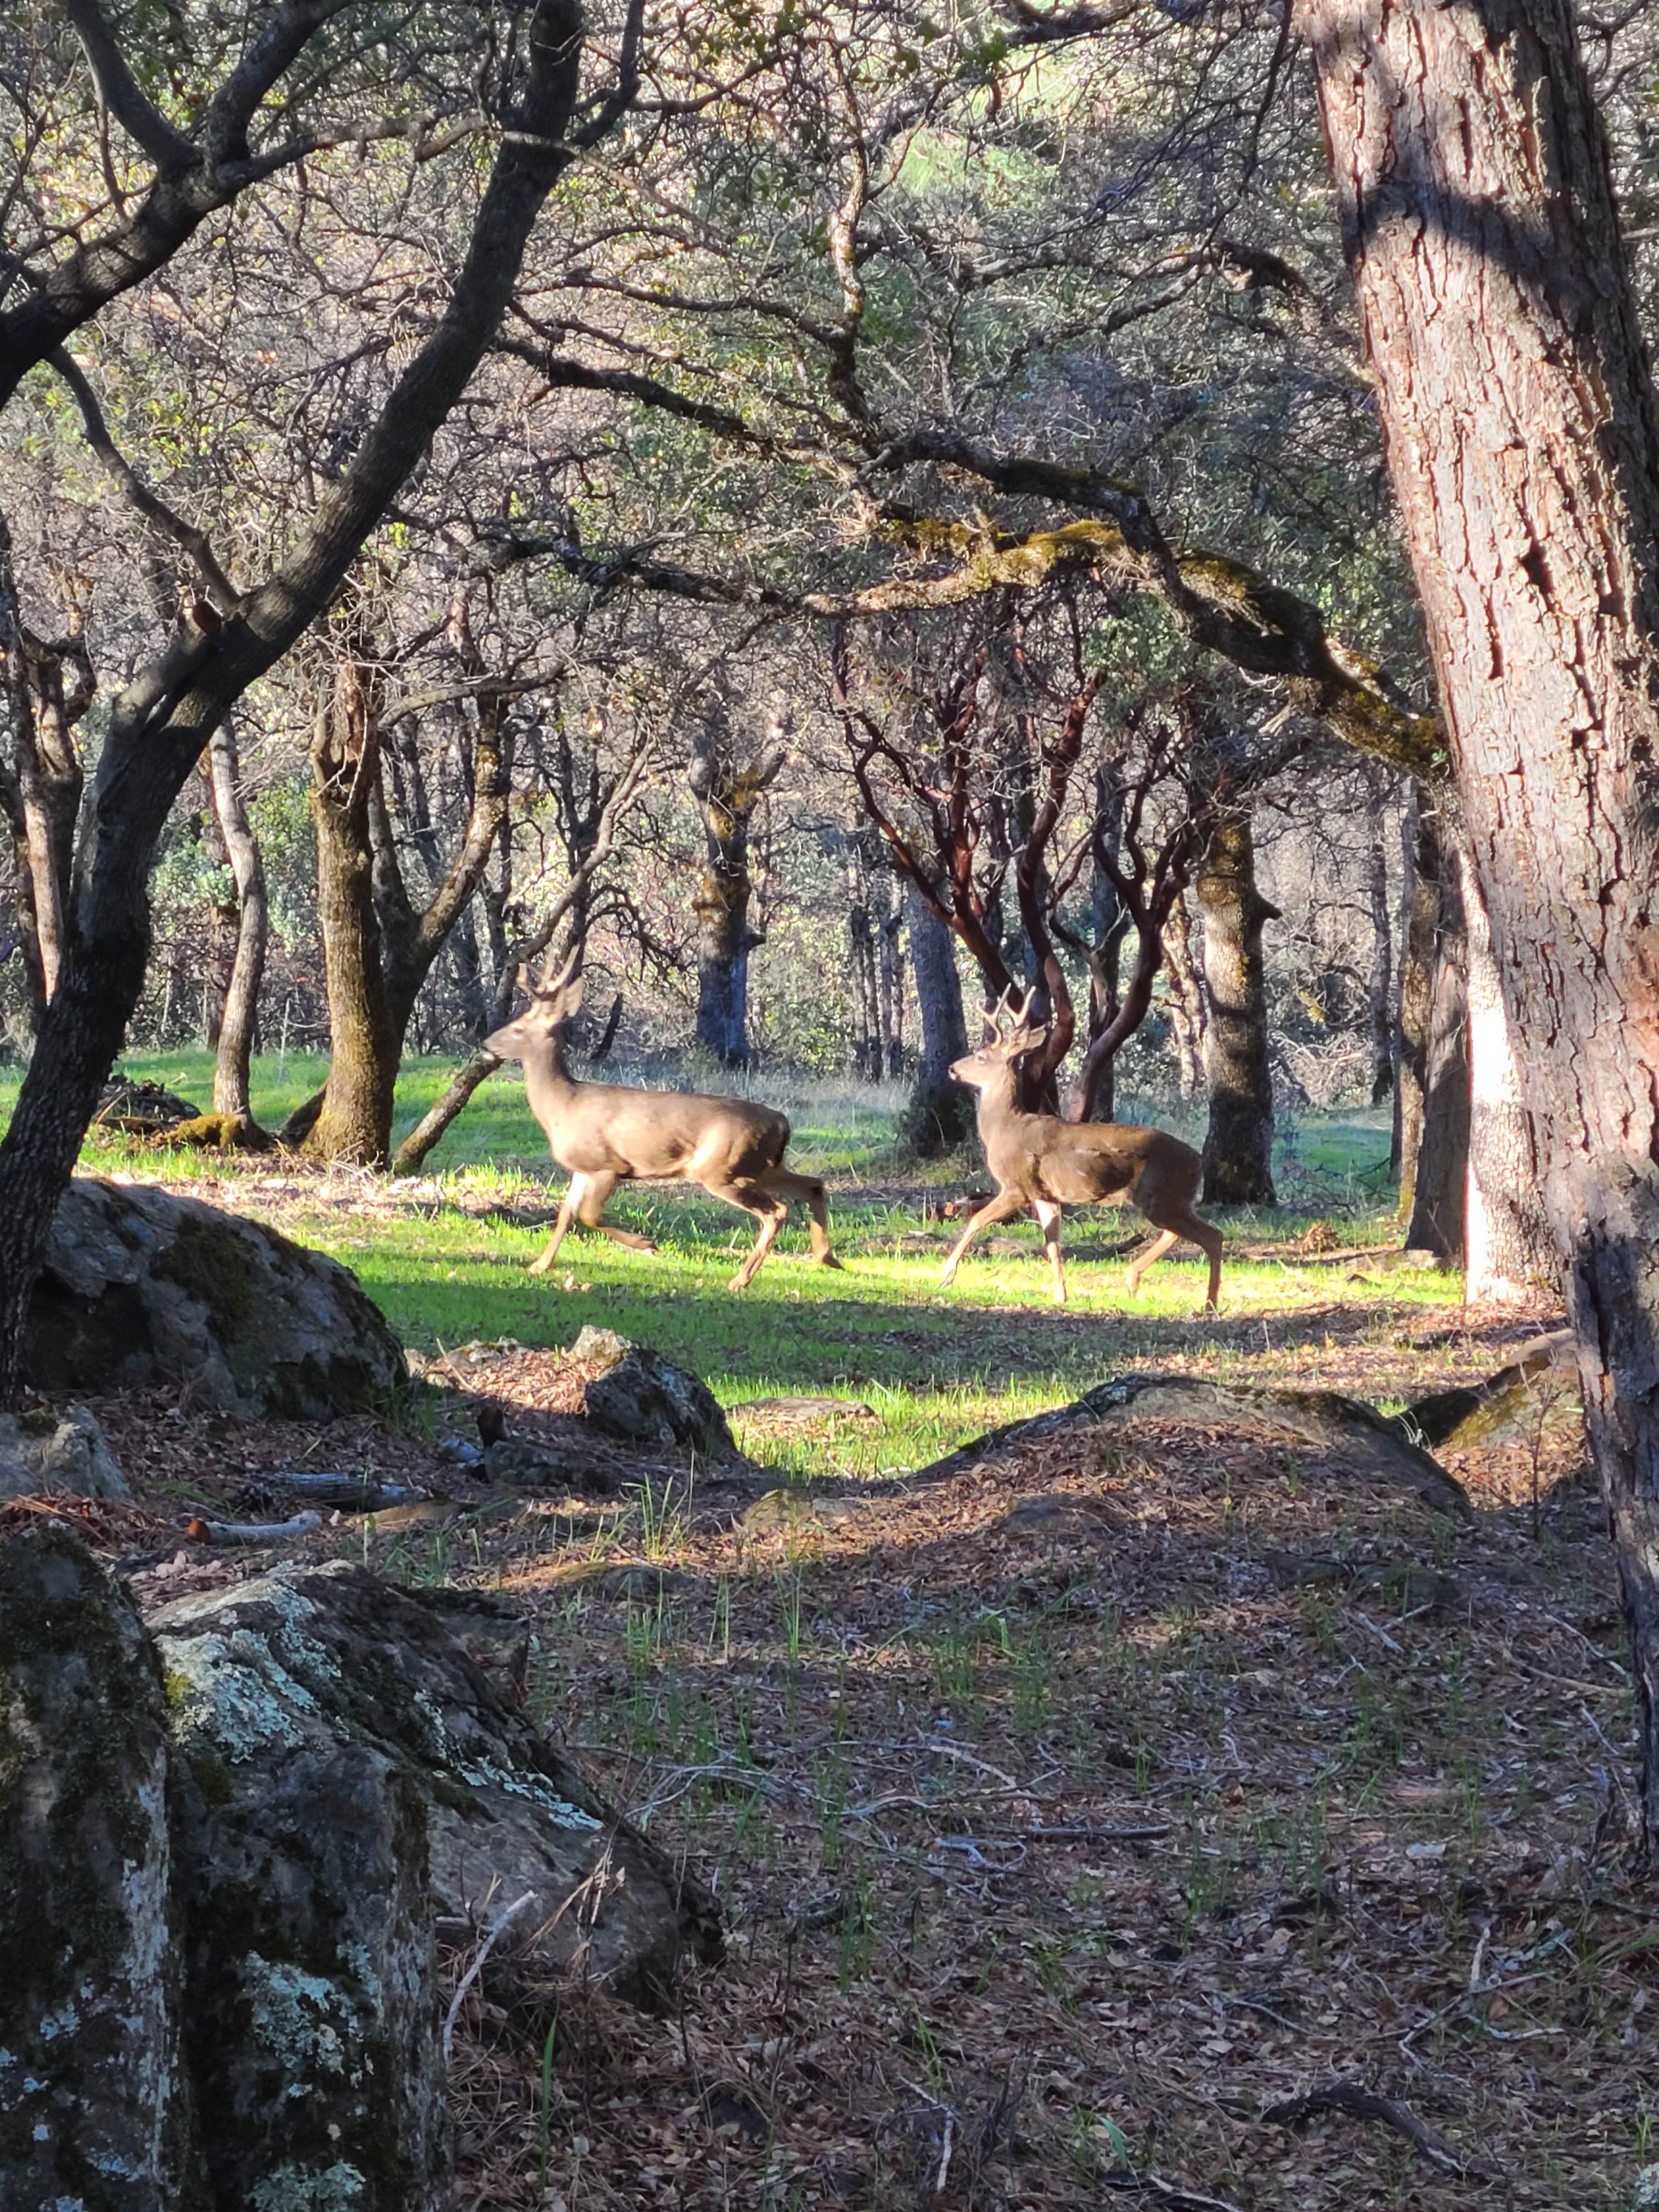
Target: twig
(1363, 2104)
(1169, 2193)
(944, 2155)
(502, 1921)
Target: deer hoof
(828, 1259)
(541, 1267)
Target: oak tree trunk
(1185, 1000)
(1239, 1145)
(1440, 1167)
(1380, 993)
(1522, 438)
(354, 1120)
(241, 1006)
(938, 1113)
(728, 781)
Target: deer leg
(1003, 1207)
(1155, 1250)
(1050, 1216)
(770, 1209)
(808, 1191)
(567, 1208)
(1184, 1222)
(594, 1200)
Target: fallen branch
(253, 1532)
(1362, 2103)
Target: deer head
(554, 1002)
(1012, 1036)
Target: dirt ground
(1077, 1818)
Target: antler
(1016, 1017)
(551, 983)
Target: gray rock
(645, 1399)
(140, 1288)
(313, 2009)
(63, 1452)
(601, 1345)
(527, 1463)
(94, 2108)
(320, 1701)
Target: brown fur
(604, 1133)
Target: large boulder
(385, 1709)
(95, 2108)
(142, 1287)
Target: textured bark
(1509, 1253)
(1523, 441)
(94, 2107)
(1441, 1169)
(1185, 1000)
(729, 781)
(1238, 1144)
(938, 1114)
(241, 1007)
(48, 688)
(354, 1122)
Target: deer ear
(571, 999)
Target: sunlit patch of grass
(446, 1258)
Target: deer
(604, 1133)
(1044, 1163)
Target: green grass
(936, 1366)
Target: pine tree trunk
(241, 1006)
(1238, 1146)
(1523, 437)
(938, 1113)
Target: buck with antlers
(1042, 1162)
(604, 1133)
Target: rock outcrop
(645, 1399)
(94, 2107)
(328, 1678)
(44, 1453)
(142, 1287)
(224, 1846)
